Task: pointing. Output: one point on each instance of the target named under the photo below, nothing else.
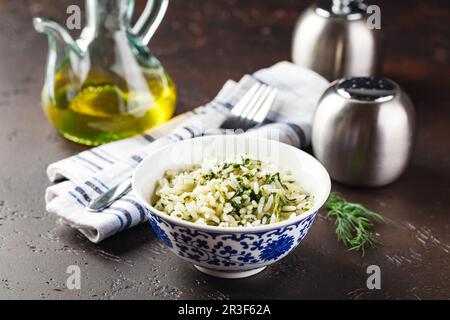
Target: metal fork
(250, 111)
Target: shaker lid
(348, 9)
(376, 89)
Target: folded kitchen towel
(86, 175)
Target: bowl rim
(217, 229)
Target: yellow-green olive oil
(103, 108)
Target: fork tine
(258, 105)
(251, 109)
(253, 101)
(243, 102)
(265, 108)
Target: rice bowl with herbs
(237, 192)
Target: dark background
(202, 44)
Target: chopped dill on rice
(238, 192)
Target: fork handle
(106, 199)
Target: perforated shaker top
(376, 89)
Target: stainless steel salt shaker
(363, 131)
(332, 38)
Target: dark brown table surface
(202, 44)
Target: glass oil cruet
(106, 85)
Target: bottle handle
(149, 20)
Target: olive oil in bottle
(106, 85)
(103, 108)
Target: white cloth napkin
(88, 174)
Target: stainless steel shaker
(363, 131)
(332, 38)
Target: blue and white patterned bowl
(239, 251)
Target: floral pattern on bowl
(230, 251)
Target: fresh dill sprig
(354, 223)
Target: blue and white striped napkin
(88, 174)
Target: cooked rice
(236, 192)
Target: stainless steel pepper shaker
(332, 38)
(363, 131)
